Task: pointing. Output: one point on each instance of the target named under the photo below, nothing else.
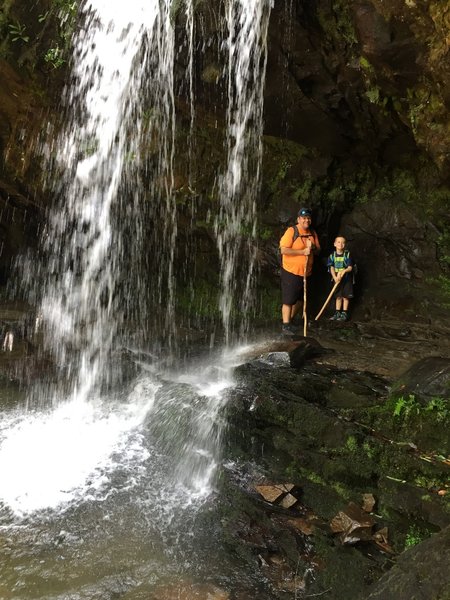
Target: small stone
(271, 493)
(288, 501)
(368, 502)
(306, 527)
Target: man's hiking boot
(336, 316)
(343, 316)
(289, 329)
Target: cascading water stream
(83, 303)
(247, 22)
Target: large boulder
(421, 573)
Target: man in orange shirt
(298, 246)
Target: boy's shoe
(289, 329)
(343, 316)
(336, 316)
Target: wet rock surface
(369, 466)
(419, 573)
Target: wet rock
(427, 378)
(304, 525)
(272, 493)
(420, 573)
(353, 524)
(306, 349)
(415, 502)
(380, 538)
(183, 590)
(281, 495)
(277, 359)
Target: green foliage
(440, 407)
(373, 95)
(405, 407)
(201, 302)
(67, 7)
(369, 450)
(264, 233)
(302, 194)
(365, 64)
(268, 303)
(414, 536)
(17, 31)
(337, 23)
(54, 57)
(279, 158)
(280, 175)
(442, 284)
(436, 408)
(444, 249)
(43, 17)
(426, 108)
(65, 12)
(351, 444)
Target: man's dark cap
(304, 212)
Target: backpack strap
(296, 235)
(343, 259)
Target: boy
(340, 265)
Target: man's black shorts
(291, 287)
(345, 288)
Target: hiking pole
(305, 320)
(328, 299)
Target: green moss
(442, 287)
(201, 302)
(373, 95)
(302, 194)
(279, 158)
(370, 451)
(280, 175)
(414, 536)
(337, 22)
(365, 64)
(268, 304)
(351, 444)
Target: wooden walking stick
(305, 320)
(328, 299)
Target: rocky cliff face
(356, 125)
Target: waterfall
(235, 226)
(95, 237)
(190, 29)
(115, 223)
